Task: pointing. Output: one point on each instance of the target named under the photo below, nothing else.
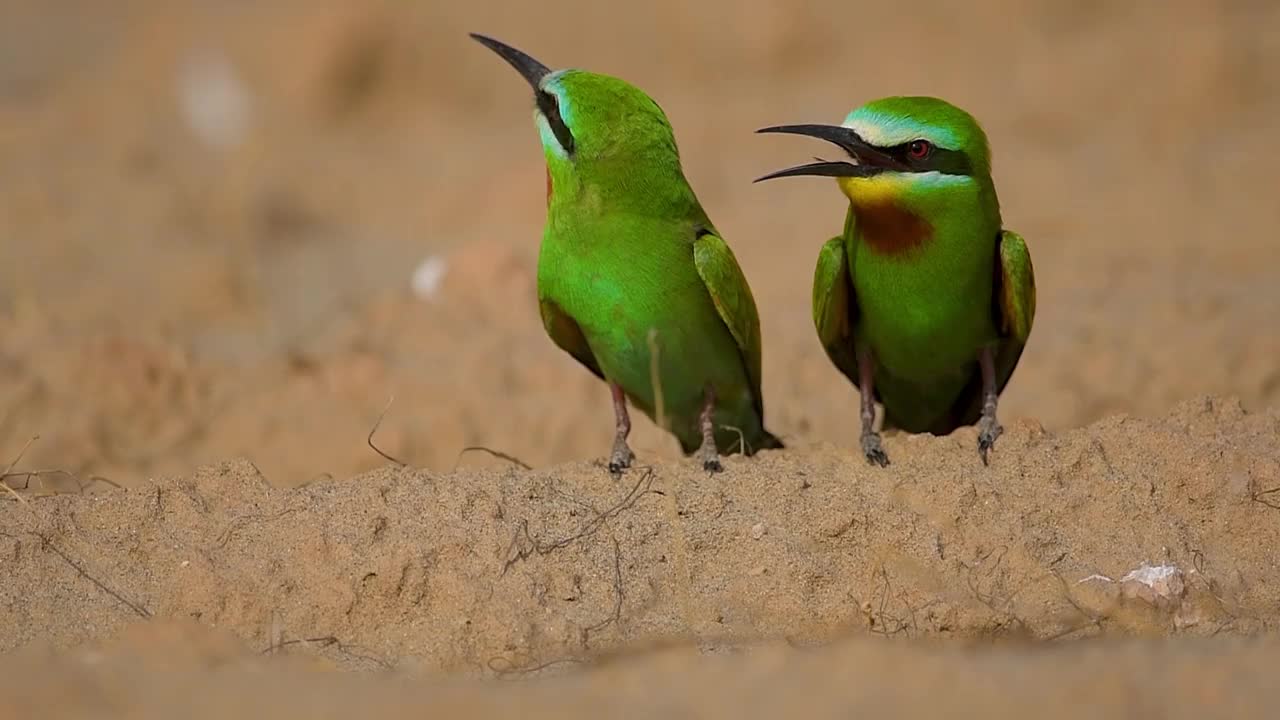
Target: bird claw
(710, 458)
(874, 450)
(988, 430)
(621, 457)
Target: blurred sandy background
(212, 215)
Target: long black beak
(870, 159)
(531, 70)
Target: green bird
(924, 301)
(634, 281)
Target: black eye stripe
(948, 162)
(549, 106)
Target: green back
(625, 229)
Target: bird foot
(874, 450)
(988, 430)
(621, 457)
(710, 458)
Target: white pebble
(214, 101)
(427, 277)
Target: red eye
(920, 149)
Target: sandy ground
(210, 219)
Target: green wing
(1014, 303)
(732, 297)
(566, 334)
(1013, 307)
(1015, 289)
(835, 307)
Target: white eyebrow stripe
(889, 135)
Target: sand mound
(1128, 526)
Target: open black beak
(870, 159)
(531, 70)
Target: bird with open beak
(924, 301)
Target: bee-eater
(629, 261)
(924, 301)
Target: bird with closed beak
(634, 281)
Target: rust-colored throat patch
(889, 228)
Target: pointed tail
(767, 441)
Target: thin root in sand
(376, 424)
(347, 649)
(1270, 498)
(494, 453)
(524, 545)
(509, 666)
(470, 448)
(9, 470)
(47, 543)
